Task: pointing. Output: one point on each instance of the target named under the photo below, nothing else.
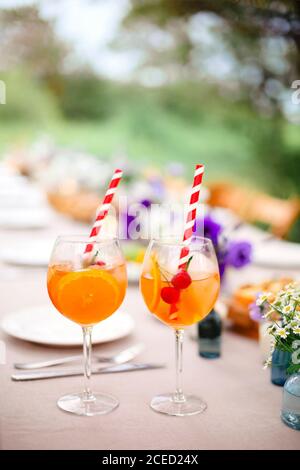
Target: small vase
(280, 363)
(290, 413)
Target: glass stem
(87, 357)
(179, 396)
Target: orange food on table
(239, 304)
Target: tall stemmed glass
(179, 298)
(87, 289)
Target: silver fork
(123, 356)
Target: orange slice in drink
(156, 285)
(88, 296)
(55, 274)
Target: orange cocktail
(193, 303)
(87, 296)
(87, 287)
(180, 294)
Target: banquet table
(243, 406)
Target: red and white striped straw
(191, 217)
(104, 208)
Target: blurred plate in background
(44, 325)
(18, 219)
(277, 254)
(35, 254)
(21, 197)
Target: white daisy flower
(296, 330)
(294, 323)
(263, 298)
(268, 362)
(290, 290)
(288, 308)
(281, 332)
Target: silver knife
(121, 357)
(40, 374)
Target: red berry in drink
(181, 280)
(170, 295)
(100, 263)
(97, 265)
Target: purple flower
(211, 229)
(146, 202)
(255, 311)
(238, 254)
(222, 266)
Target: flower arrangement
(236, 254)
(283, 309)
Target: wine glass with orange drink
(180, 284)
(179, 297)
(87, 288)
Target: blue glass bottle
(290, 413)
(280, 363)
(209, 336)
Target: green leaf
(188, 263)
(293, 369)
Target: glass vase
(280, 363)
(290, 413)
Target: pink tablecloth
(243, 406)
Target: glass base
(291, 419)
(209, 355)
(98, 404)
(168, 404)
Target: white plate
(44, 325)
(21, 198)
(24, 219)
(28, 254)
(277, 254)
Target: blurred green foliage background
(187, 120)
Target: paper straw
(191, 217)
(104, 208)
